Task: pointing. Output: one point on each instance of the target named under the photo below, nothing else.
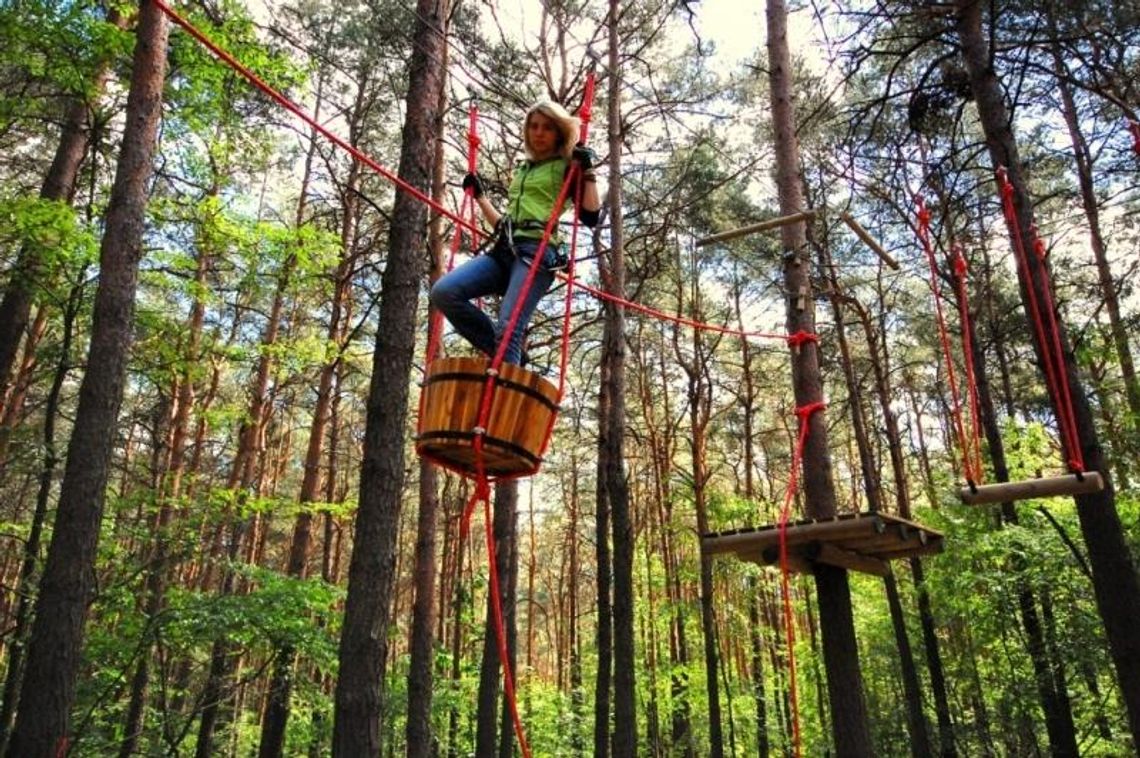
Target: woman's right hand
(474, 183)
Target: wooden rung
(763, 226)
(868, 240)
(1051, 486)
(822, 552)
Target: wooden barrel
(522, 408)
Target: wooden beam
(909, 551)
(797, 564)
(868, 240)
(822, 552)
(763, 226)
(1050, 486)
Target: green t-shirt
(531, 196)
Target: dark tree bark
(604, 634)
(48, 690)
(850, 730)
(1115, 581)
(363, 643)
(31, 549)
(509, 583)
(577, 696)
(611, 441)
(421, 743)
(487, 714)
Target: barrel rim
(500, 381)
(521, 454)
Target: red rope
(1056, 378)
(961, 268)
(469, 225)
(302, 114)
(569, 180)
(1065, 397)
(973, 475)
(801, 338)
(804, 413)
(1134, 127)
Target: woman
(550, 137)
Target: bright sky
(737, 28)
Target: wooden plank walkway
(854, 541)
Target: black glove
(584, 156)
(474, 182)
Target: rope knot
(801, 338)
(473, 141)
(804, 412)
(961, 265)
(1038, 244)
(923, 212)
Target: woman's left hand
(584, 156)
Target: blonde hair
(568, 126)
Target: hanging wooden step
(1047, 486)
(523, 405)
(861, 542)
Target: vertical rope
(570, 180)
(1064, 396)
(1051, 355)
(973, 476)
(961, 268)
(804, 413)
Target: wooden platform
(854, 541)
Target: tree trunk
(1115, 581)
(699, 401)
(851, 734)
(48, 690)
(487, 716)
(611, 440)
(170, 490)
(748, 409)
(603, 677)
(1054, 703)
(360, 686)
(59, 184)
(276, 712)
(421, 743)
(916, 721)
(508, 584)
(577, 697)
(1108, 289)
(26, 586)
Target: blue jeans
(499, 272)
